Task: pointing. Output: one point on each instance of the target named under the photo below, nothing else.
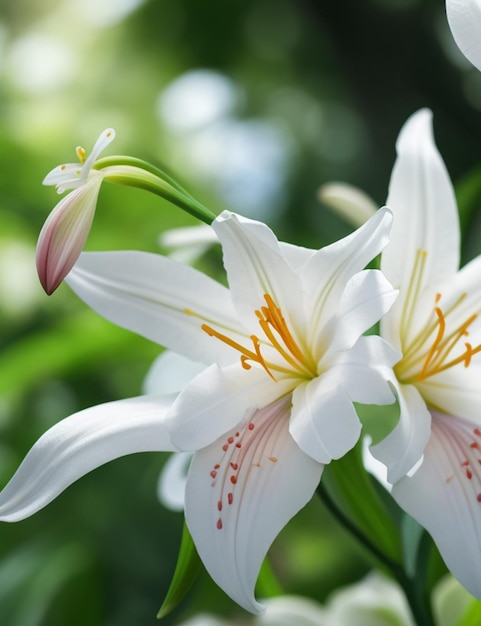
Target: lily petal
(366, 298)
(169, 373)
(464, 18)
(73, 175)
(216, 400)
(368, 385)
(239, 498)
(404, 446)
(64, 233)
(325, 275)
(444, 496)
(160, 299)
(172, 481)
(64, 177)
(255, 267)
(425, 239)
(456, 391)
(324, 422)
(80, 443)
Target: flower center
(278, 336)
(437, 347)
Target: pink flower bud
(63, 235)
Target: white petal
(188, 244)
(290, 611)
(324, 423)
(456, 391)
(188, 236)
(374, 601)
(464, 18)
(172, 481)
(160, 299)
(404, 446)
(350, 202)
(239, 498)
(105, 138)
(327, 272)
(422, 199)
(296, 256)
(216, 401)
(64, 177)
(464, 290)
(366, 298)
(366, 369)
(444, 496)
(255, 267)
(80, 443)
(373, 466)
(169, 373)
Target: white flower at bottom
(285, 360)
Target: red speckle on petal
(219, 506)
(477, 432)
(237, 434)
(230, 440)
(238, 445)
(233, 479)
(219, 524)
(216, 466)
(475, 445)
(234, 466)
(478, 497)
(464, 463)
(225, 447)
(213, 473)
(230, 498)
(469, 474)
(251, 426)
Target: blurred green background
(253, 105)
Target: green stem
(414, 592)
(132, 172)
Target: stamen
(81, 154)
(247, 355)
(278, 336)
(437, 359)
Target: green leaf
(186, 570)
(412, 534)
(468, 195)
(351, 489)
(472, 617)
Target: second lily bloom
(436, 325)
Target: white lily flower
(66, 229)
(435, 323)
(464, 19)
(285, 359)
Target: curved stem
(133, 172)
(414, 592)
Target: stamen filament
(278, 336)
(247, 355)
